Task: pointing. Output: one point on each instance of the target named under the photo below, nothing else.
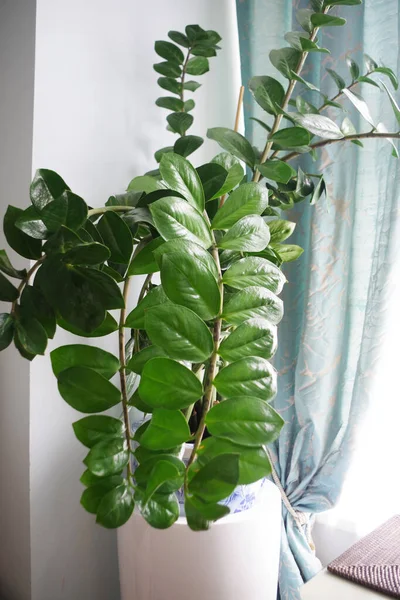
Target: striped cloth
(374, 561)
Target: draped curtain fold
(337, 292)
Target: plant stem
(356, 136)
(122, 375)
(288, 95)
(340, 93)
(182, 94)
(103, 209)
(25, 281)
(236, 128)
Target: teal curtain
(336, 294)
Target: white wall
(95, 122)
(17, 47)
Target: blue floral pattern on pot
(242, 498)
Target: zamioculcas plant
(198, 360)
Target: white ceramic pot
(237, 559)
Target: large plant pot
(237, 559)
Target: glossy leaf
(192, 86)
(277, 170)
(197, 65)
(168, 428)
(92, 430)
(180, 122)
(69, 210)
(247, 199)
(321, 126)
(212, 177)
(179, 38)
(93, 495)
(191, 284)
(172, 483)
(87, 254)
(116, 507)
(80, 355)
(285, 60)
(31, 335)
(254, 271)
(86, 390)
(109, 325)
(88, 479)
(187, 144)
(217, 479)
(250, 234)
(144, 262)
(200, 514)
(156, 296)
(303, 17)
(198, 252)
(254, 463)
(166, 383)
(169, 102)
(30, 222)
(107, 457)
(234, 143)
(116, 236)
(7, 268)
(247, 421)
(305, 107)
(161, 511)
(180, 176)
(234, 169)
(179, 332)
(46, 186)
(138, 360)
(255, 337)
(322, 20)
(175, 218)
(288, 252)
(267, 92)
(170, 84)
(6, 330)
(169, 69)
(8, 292)
(291, 137)
(250, 376)
(144, 183)
(389, 73)
(169, 51)
(253, 302)
(353, 67)
(163, 471)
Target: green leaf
(382, 129)
(92, 430)
(138, 360)
(288, 252)
(161, 511)
(144, 262)
(360, 105)
(8, 292)
(166, 383)
(31, 335)
(144, 183)
(192, 86)
(168, 428)
(34, 304)
(234, 168)
(254, 463)
(162, 472)
(88, 479)
(175, 218)
(305, 107)
(321, 126)
(170, 103)
(317, 5)
(370, 63)
(116, 236)
(136, 401)
(247, 199)
(180, 122)
(322, 20)
(250, 376)
(212, 177)
(277, 170)
(342, 2)
(69, 210)
(291, 137)
(353, 67)
(309, 46)
(253, 302)
(93, 495)
(169, 69)
(267, 92)
(285, 60)
(250, 234)
(109, 325)
(180, 176)
(347, 127)
(156, 296)
(187, 144)
(144, 471)
(17, 240)
(169, 51)
(217, 479)
(116, 507)
(87, 254)
(8, 269)
(80, 355)
(197, 65)
(46, 187)
(340, 82)
(247, 421)
(393, 102)
(179, 38)
(390, 74)
(280, 230)
(303, 17)
(159, 154)
(191, 284)
(188, 105)
(263, 125)
(234, 143)
(363, 79)
(86, 390)
(170, 84)
(6, 330)
(254, 271)
(30, 222)
(255, 337)
(179, 332)
(198, 252)
(199, 513)
(308, 85)
(108, 457)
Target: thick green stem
(103, 209)
(122, 375)
(25, 281)
(182, 94)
